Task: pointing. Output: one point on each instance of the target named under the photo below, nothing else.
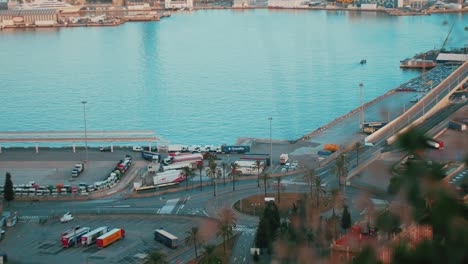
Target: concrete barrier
(460, 73)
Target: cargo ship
(417, 64)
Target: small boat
(363, 61)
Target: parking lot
(31, 242)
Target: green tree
(193, 239)
(234, 172)
(388, 222)
(412, 141)
(9, 193)
(156, 257)
(258, 166)
(200, 168)
(345, 218)
(268, 226)
(209, 256)
(341, 168)
(224, 165)
(367, 256)
(211, 172)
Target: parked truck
(77, 170)
(177, 148)
(179, 166)
(151, 156)
(283, 158)
(74, 237)
(110, 237)
(235, 149)
(457, 126)
(91, 237)
(195, 157)
(166, 238)
(434, 143)
(168, 178)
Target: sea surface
(210, 77)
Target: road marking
(205, 213)
(180, 207)
(169, 206)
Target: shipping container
(74, 237)
(324, 153)
(456, 126)
(262, 157)
(91, 237)
(166, 238)
(110, 237)
(235, 149)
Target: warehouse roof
(28, 12)
(452, 57)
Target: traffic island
(255, 204)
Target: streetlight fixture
(85, 129)
(271, 145)
(362, 106)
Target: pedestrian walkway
(169, 207)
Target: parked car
(105, 149)
(137, 148)
(67, 217)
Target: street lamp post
(85, 129)
(362, 106)
(271, 145)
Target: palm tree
(188, 174)
(227, 220)
(200, 167)
(341, 168)
(258, 166)
(309, 177)
(193, 239)
(234, 172)
(265, 176)
(358, 148)
(208, 255)
(224, 165)
(320, 190)
(211, 172)
(156, 258)
(278, 183)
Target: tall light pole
(85, 129)
(362, 106)
(271, 145)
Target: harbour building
(184, 4)
(18, 18)
(3, 4)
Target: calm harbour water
(209, 77)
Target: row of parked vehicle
(34, 189)
(84, 236)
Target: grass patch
(255, 204)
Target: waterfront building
(18, 18)
(184, 4)
(3, 4)
(286, 3)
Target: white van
(137, 148)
